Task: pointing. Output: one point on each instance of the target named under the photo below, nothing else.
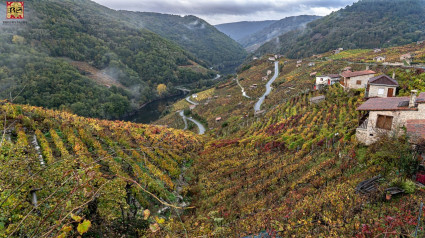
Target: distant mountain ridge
(280, 27)
(239, 30)
(194, 35)
(365, 24)
(252, 34)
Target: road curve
(260, 101)
(190, 101)
(242, 89)
(201, 128)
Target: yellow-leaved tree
(161, 89)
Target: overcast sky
(223, 11)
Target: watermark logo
(15, 10)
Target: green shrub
(409, 186)
(361, 154)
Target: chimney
(367, 67)
(393, 74)
(412, 102)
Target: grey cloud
(231, 8)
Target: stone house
(377, 50)
(390, 115)
(406, 57)
(356, 79)
(272, 58)
(381, 86)
(379, 58)
(311, 64)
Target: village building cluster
(390, 115)
(382, 112)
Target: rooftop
(349, 73)
(321, 97)
(390, 104)
(385, 104)
(383, 80)
(330, 75)
(334, 75)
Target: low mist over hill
(365, 24)
(239, 30)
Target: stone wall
(373, 91)
(352, 82)
(371, 134)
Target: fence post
(419, 219)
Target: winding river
(260, 101)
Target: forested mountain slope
(34, 59)
(242, 29)
(278, 28)
(193, 34)
(365, 24)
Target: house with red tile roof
(389, 115)
(356, 79)
(381, 86)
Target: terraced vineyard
(290, 171)
(87, 171)
(293, 174)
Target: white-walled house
(379, 58)
(329, 79)
(390, 115)
(381, 86)
(356, 79)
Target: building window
(358, 82)
(381, 91)
(384, 122)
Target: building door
(390, 92)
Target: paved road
(190, 101)
(242, 89)
(201, 128)
(260, 101)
